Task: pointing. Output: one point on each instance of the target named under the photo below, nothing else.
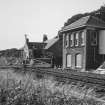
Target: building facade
(83, 44)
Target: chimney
(26, 39)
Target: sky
(37, 17)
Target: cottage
(32, 50)
(84, 44)
(48, 49)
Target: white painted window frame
(82, 38)
(77, 39)
(72, 40)
(67, 40)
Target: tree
(99, 13)
(73, 19)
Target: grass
(22, 89)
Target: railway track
(86, 77)
(90, 78)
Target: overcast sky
(37, 17)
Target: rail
(86, 77)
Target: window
(82, 38)
(76, 39)
(78, 60)
(72, 40)
(93, 38)
(67, 41)
(68, 60)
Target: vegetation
(7, 61)
(26, 89)
(100, 13)
(10, 53)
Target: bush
(22, 89)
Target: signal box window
(76, 39)
(72, 40)
(94, 38)
(67, 41)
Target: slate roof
(85, 21)
(43, 45)
(36, 45)
(51, 42)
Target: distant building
(33, 50)
(84, 44)
(49, 48)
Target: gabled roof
(51, 42)
(85, 21)
(42, 45)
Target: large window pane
(78, 60)
(68, 60)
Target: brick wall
(73, 51)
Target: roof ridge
(84, 21)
